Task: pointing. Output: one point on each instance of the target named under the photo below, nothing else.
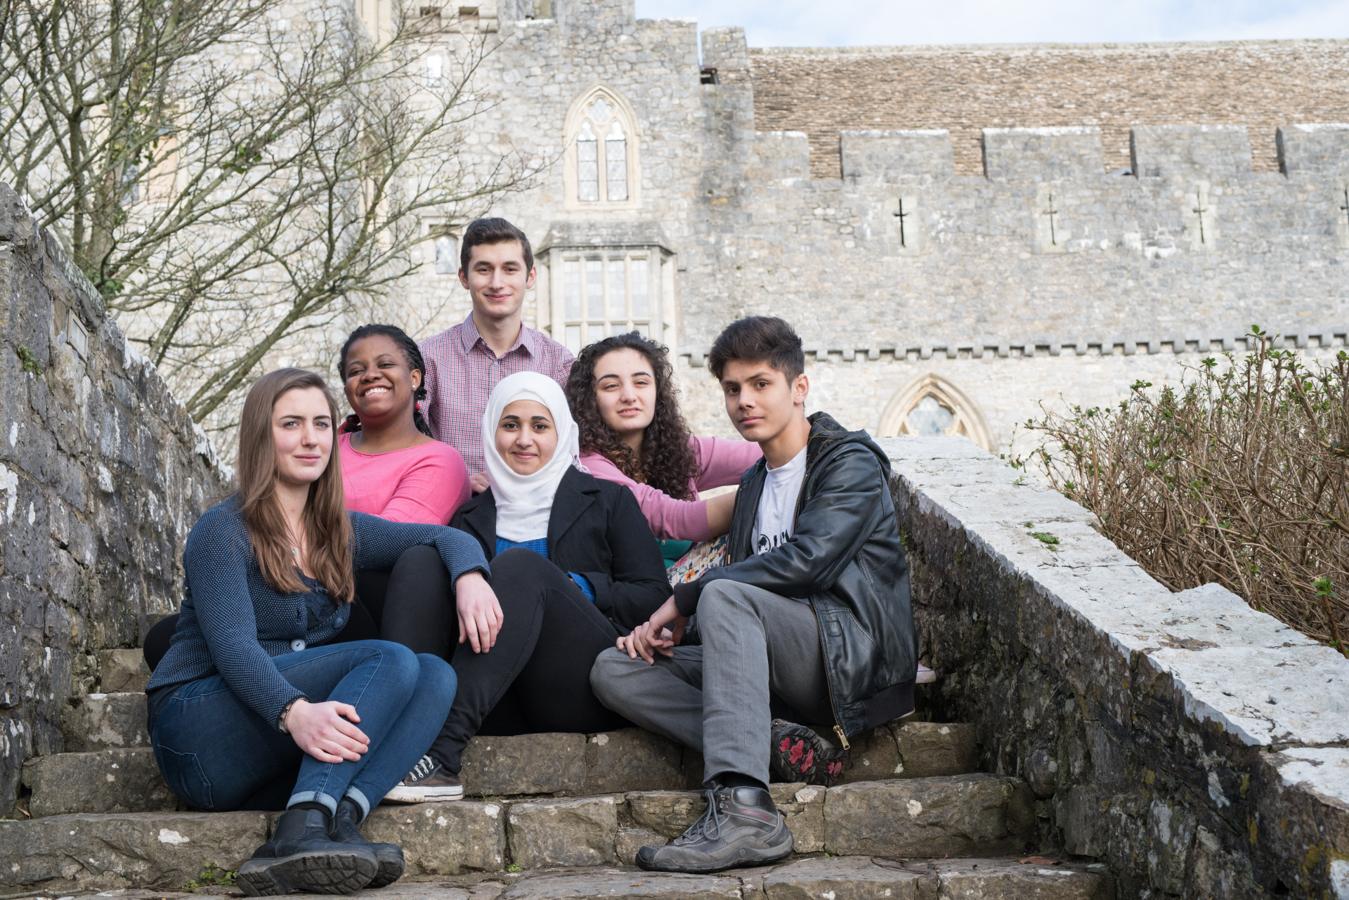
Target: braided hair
(411, 353)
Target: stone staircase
(552, 815)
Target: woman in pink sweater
(621, 391)
(391, 466)
(394, 469)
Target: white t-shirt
(775, 520)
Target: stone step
(101, 781)
(124, 778)
(106, 721)
(942, 816)
(850, 877)
(122, 671)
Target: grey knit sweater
(233, 622)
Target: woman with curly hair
(622, 393)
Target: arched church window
(600, 164)
(932, 406)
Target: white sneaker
(427, 781)
(925, 675)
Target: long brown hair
(667, 462)
(327, 528)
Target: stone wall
(1198, 747)
(1261, 85)
(1045, 249)
(101, 475)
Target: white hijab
(524, 502)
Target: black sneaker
(800, 754)
(740, 827)
(346, 830)
(427, 781)
(302, 858)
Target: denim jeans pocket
(185, 777)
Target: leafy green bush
(1239, 475)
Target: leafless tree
(232, 173)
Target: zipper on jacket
(842, 738)
(828, 687)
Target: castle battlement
(1176, 152)
(1329, 337)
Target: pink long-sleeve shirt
(423, 484)
(720, 462)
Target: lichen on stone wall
(101, 475)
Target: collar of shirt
(470, 337)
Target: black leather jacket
(845, 559)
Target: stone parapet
(1199, 747)
(897, 156)
(102, 473)
(1190, 151)
(780, 155)
(1042, 154)
(1314, 149)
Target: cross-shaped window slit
(1345, 208)
(1199, 210)
(902, 215)
(1051, 211)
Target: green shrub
(1239, 474)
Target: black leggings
(412, 603)
(537, 675)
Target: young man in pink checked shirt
(464, 363)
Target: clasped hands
(327, 731)
(658, 634)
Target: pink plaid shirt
(461, 371)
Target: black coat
(597, 530)
(845, 559)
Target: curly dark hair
(411, 353)
(667, 462)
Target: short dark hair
(766, 338)
(492, 231)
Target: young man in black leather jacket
(811, 617)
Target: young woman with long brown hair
(250, 690)
(622, 393)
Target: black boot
(302, 857)
(347, 830)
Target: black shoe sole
(390, 869)
(800, 754)
(319, 872)
(742, 858)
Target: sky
(825, 23)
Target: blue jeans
(215, 752)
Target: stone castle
(958, 233)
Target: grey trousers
(760, 655)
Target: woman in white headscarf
(574, 565)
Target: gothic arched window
(601, 154)
(931, 405)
